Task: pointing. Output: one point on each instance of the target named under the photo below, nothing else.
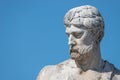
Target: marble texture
(85, 30)
(68, 70)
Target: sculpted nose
(71, 40)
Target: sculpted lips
(73, 51)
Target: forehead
(73, 28)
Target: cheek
(88, 39)
(85, 40)
(79, 41)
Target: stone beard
(81, 52)
(85, 29)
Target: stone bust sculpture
(85, 30)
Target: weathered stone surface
(85, 30)
(68, 70)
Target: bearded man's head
(85, 30)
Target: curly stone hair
(87, 17)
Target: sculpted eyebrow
(79, 26)
(82, 26)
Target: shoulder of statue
(116, 74)
(108, 67)
(45, 72)
(50, 70)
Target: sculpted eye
(78, 35)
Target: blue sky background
(32, 35)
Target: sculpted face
(85, 29)
(80, 41)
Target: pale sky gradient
(32, 35)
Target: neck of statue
(92, 62)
